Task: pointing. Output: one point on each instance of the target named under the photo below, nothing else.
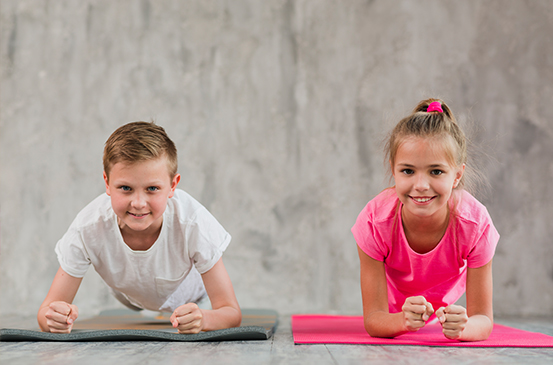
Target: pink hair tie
(434, 106)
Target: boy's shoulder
(98, 210)
(184, 206)
(186, 214)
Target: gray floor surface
(278, 350)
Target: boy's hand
(454, 319)
(416, 312)
(188, 318)
(60, 317)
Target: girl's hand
(454, 319)
(416, 312)
(60, 317)
(188, 318)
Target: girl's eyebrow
(433, 166)
(405, 164)
(438, 165)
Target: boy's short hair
(139, 141)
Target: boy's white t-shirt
(190, 239)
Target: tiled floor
(278, 350)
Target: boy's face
(139, 193)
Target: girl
(424, 241)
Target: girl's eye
(436, 172)
(408, 171)
(153, 188)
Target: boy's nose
(138, 201)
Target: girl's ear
(174, 183)
(106, 180)
(392, 169)
(458, 176)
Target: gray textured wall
(278, 109)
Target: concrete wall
(278, 109)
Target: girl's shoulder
(469, 209)
(382, 207)
(475, 232)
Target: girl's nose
(421, 183)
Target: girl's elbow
(373, 331)
(369, 329)
(382, 327)
(489, 330)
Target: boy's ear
(174, 183)
(106, 180)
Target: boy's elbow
(41, 319)
(237, 318)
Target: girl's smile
(421, 200)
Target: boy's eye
(408, 171)
(153, 188)
(125, 188)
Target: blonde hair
(139, 141)
(441, 126)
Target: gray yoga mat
(126, 325)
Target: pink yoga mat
(326, 329)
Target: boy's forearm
(384, 324)
(479, 327)
(224, 317)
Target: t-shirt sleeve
(368, 238)
(484, 247)
(72, 255)
(207, 240)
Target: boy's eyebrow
(125, 182)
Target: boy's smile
(139, 193)
(138, 215)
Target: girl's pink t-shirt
(438, 275)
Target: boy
(154, 245)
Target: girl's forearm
(224, 317)
(479, 327)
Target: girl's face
(424, 177)
(139, 194)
